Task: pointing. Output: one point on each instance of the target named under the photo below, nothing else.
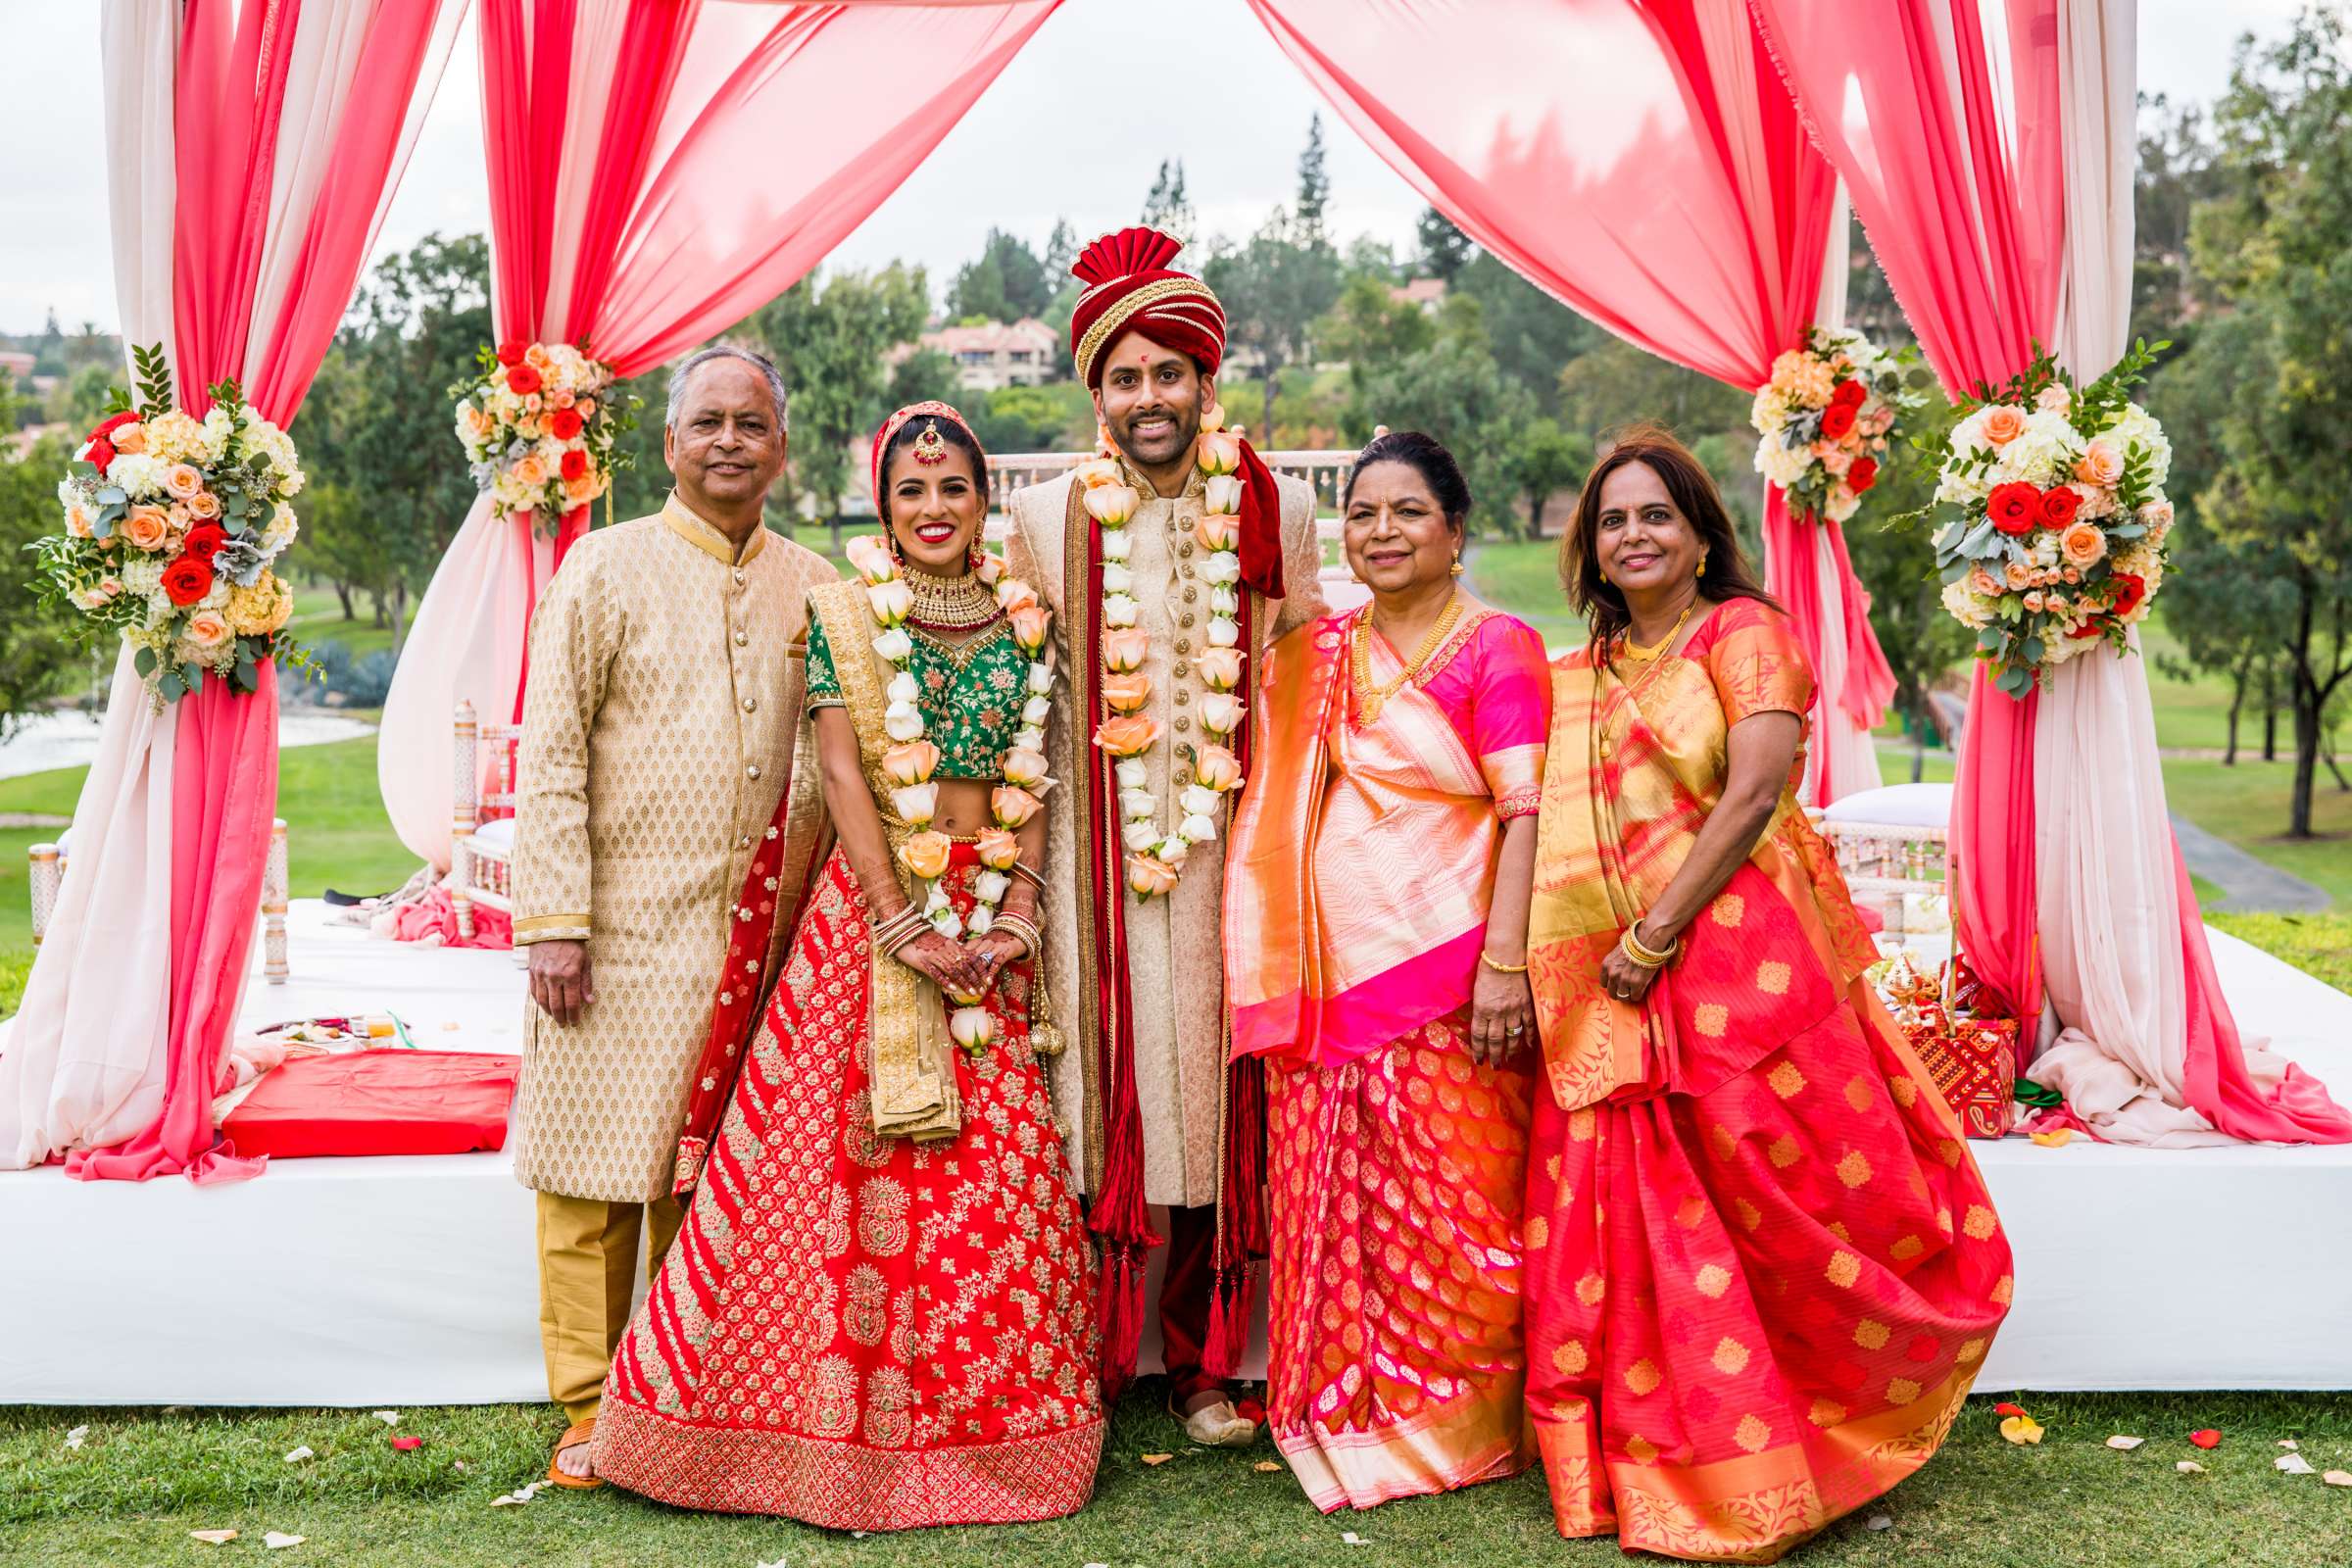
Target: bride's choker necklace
(950, 604)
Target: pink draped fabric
(658, 169)
(291, 122)
(1961, 190)
(1793, 573)
(1641, 161)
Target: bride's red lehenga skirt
(863, 1333)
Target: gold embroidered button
(751, 705)
(1185, 619)
(1191, 593)
(752, 772)
(1182, 667)
(743, 841)
(738, 576)
(1183, 646)
(743, 639)
(1186, 548)
(1183, 722)
(1182, 697)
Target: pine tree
(1314, 187)
(1169, 209)
(1445, 249)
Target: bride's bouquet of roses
(2058, 544)
(539, 422)
(173, 526)
(1825, 418)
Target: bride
(877, 1314)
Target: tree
(40, 656)
(1445, 250)
(1453, 389)
(1277, 285)
(832, 339)
(1535, 335)
(1006, 283)
(1061, 249)
(1314, 187)
(1614, 384)
(1168, 207)
(1371, 327)
(1543, 460)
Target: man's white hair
(728, 351)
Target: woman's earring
(1702, 566)
(1456, 569)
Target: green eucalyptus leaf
(143, 661)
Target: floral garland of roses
(911, 760)
(1824, 420)
(539, 430)
(172, 524)
(1155, 859)
(2060, 539)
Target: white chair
(48, 877)
(1890, 847)
(481, 851)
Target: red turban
(1129, 285)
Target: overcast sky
(1016, 161)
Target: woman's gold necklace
(1635, 653)
(950, 604)
(1649, 661)
(1369, 698)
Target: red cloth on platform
(379, 1103)
(436, 915)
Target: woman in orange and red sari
(1762, 1268)
(1375, 935)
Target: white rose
(901, 688)
(1029, 738)
(1036, 710)
(1221, 568)
(1132, 775)
(917, 803)
(1222, 493)
(1197, 800)
(1136, 804)
(1138, 836)
(990, 886)
(894, 645)
(948, 923)
(1172, 850)
(902, 722)
(1224, 601)
(1120, 611)
(1199, 829)
(1223, 633)
(1117, 544)
(1118, 579)
(1041, 680)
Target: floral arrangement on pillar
(540, 423)
(2059, 540)
(1825, 421)
(173, 526)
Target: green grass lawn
(1523, 577)
(143, 1479)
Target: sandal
(1216, 1426)
(577, 1433)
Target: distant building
(19, 367)
(994, 355)
(1424, 294)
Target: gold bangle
(1027, 875)
(1648, 957)
(1502, 968)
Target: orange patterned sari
(1762, 1269)
(1365, 851)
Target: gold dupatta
(909, 1057)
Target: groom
(1138, 947)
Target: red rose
(522, 380)
(2092, 628)
(575, 463)
(101, 453)
(566, 425)
(1836, 421)
(509, 353)
(1862, 475)
(2014, 508)
(187, 579)
(108, 427)
(2058, 508)
(2129, 589)
(204, 541)
(1849, 394)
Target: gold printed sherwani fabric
(663, 693)
(1175, 956)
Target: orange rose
(1030, 624)
(1012, 806)
(1014, 594)
(2083, 545)
(1221, 667)
(1217, 768)
(2100, 466)
(132, 438)
(529, 472)
(1124, 694)
(77, 521)
(204, 505)
(1095, 473)
(1130, 735)
(998, 849)
(581, 490)
(146, 527)
(1148, 877)
(207, 629)
(1125, 649)
(910, 762)
(182, 480)
(2018, 576)
(1220, 530)
(926, 854)
(1220, 452)
(2003, 425)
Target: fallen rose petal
(778, 1563)
(2293, 1464)
(2206, 1438)
(214, 1537)
(2006, 1409)
(2190, 1467)
(298, 1456)
(2289, 1445)
(2337, 1478)
(2022, 1429)
(280, 1541)
(408, 1445)
(1269, 1468)
(2125, 1443)
(1353, 1539)
(1157, 1458)
(76, 1438)
(1879, 1521)
(2056, 1138)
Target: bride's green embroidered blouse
(970, 697)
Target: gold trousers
(587, 1285)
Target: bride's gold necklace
(1370, 697)
(950, 604)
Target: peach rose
(2156, 514)
(998, 849)
(207, 629)
(476, 422)
(1095, 473)
(1130, 735)
(2071, 575)
(972, 1028)
(1030, 624)
(147, 528)
(910, 762)
(1125, 649)
(1983, 583)
(204, 505)
(926, 854)
(1221, 667)
(893, 600)
(1221, 712)
(2100, 465)
(1220, 452)
(182, 480)
(2033, 601)
(1112, 505)
(77, 521)
(586, 407)
(1014, 594)
(870, 558)
(1012, 806)
(2083, 545)
(179, 516)
(1217, 768)
(131, 438)
(1833, 457)
(1148, 877)
(2003, 425)
(2018, 576)
(581, 490)
(1126, 693)
(529, 472)
(1025, 769)
(1220, 530)
(560, 397)
(537, 358)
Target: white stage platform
(405, 1282)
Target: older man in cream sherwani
(663, 694)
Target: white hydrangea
(1967, 608)
(218, 428)
(2136, 426)
(142, 577)
(1784, 465)
(1843, 504)
(2046, 448)
(140, 476)
(1769, 415)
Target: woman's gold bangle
(1647, 956)
(1502, 968)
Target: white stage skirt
(411, 1282)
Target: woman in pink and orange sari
(1762, 1268)
(1375, 935)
